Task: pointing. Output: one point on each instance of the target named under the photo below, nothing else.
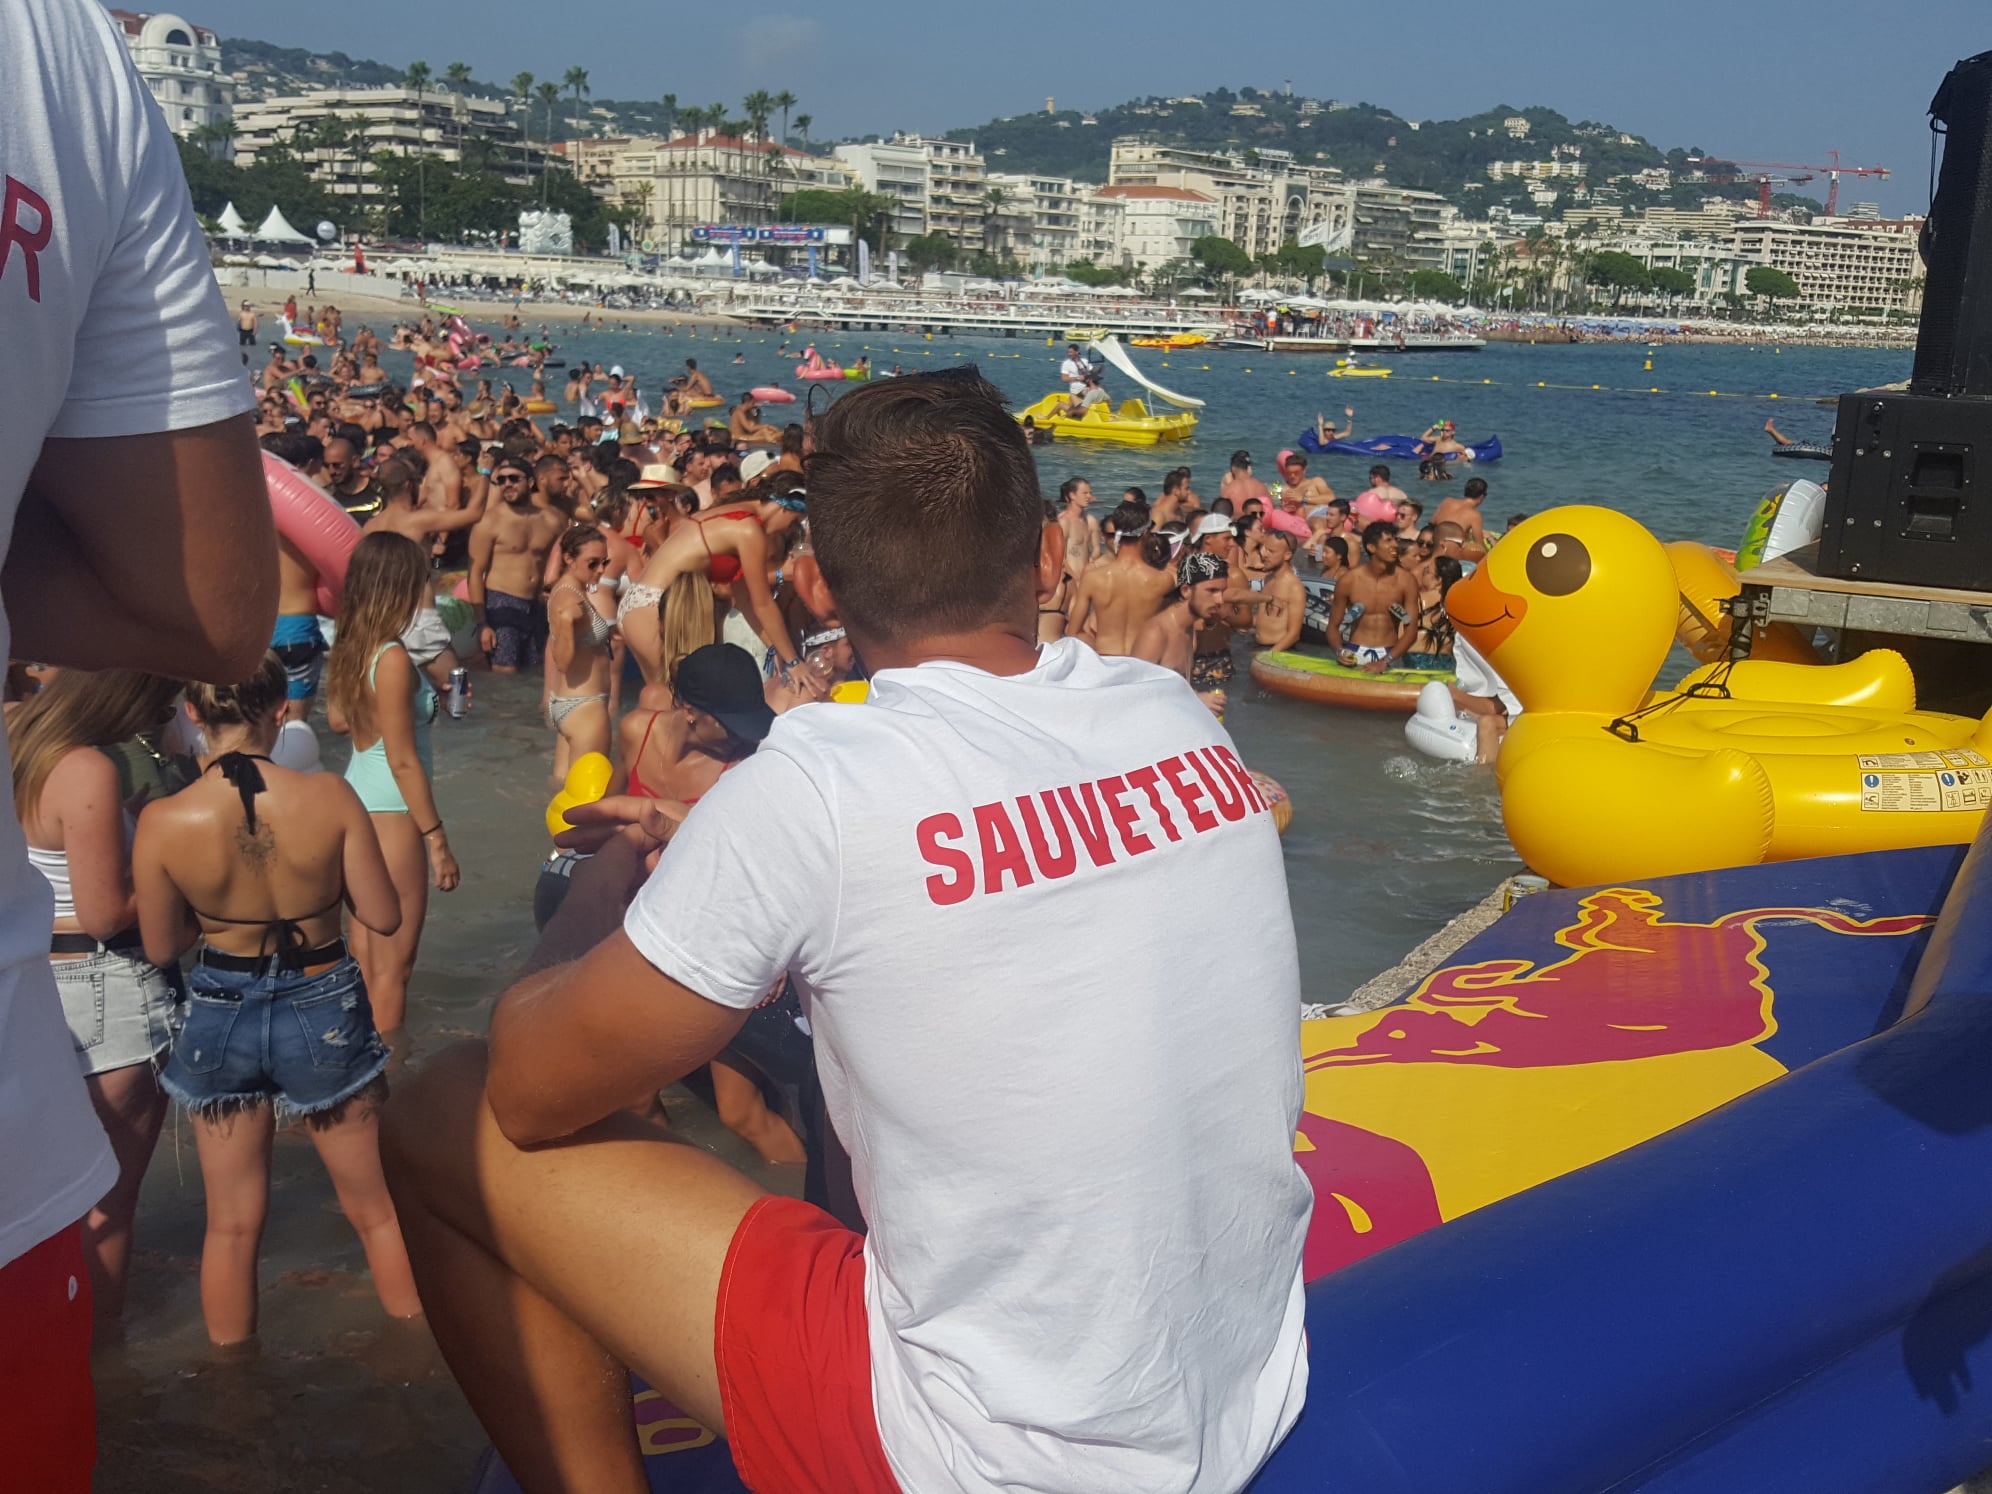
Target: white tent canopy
(276, 230)
(231, 223)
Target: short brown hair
(924, 505)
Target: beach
(1386, 846)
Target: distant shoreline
(359, 307)
(1812, 337)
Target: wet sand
(339, 1400)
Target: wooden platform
(1797, 593)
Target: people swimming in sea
(1441, 440)
(1383, 595)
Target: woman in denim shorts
(119, 1005)
(254, 863)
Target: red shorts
(48, 1407)
(794, 1355)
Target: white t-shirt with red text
(111, 324)
(1040, 927)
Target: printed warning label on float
(1903, 762)
(1913, 793)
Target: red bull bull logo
(1499, 1074)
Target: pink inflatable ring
(773, 394)
(312, 523)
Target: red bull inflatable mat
(1653, 1187)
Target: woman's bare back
(291, 866)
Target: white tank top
(54, 867)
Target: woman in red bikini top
(729, 543)
(717, 717)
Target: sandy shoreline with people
(359, 307)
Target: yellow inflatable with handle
(1603, 780)
(1705, 581)
(586, 782)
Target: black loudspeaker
(1954, 337)
(1902, 505)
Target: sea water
(1385, 845)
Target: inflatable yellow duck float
(1604, 781)
(586, 782)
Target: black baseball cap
(721, 680)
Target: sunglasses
(508, 477)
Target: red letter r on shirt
(13, 230)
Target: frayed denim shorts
(121, 1008)
(305, 1043)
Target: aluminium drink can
(459, 692)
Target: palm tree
(355, 135)
(670, 105)
(418, 75)
(215, 133)
(637, 212)
(867, 210)
(758, 106)
(785, 101)
(992, 205)
(549, 95)
(458, 74)
(577, 79)
(802, 124)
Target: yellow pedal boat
(1130, 425)
(1172, 341)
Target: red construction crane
(1731, 171)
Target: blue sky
(1770, 82)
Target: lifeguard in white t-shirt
(1074, 1157)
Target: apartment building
(1040, 218)
(1398, 225)
(1535, 171)
(1103, 229)
(439, 123)
(1705, 222)
(686, 180)
(1839, 265)
(1159, 223)
(181, 63)
(1265, 199)
(892, 168)
(957, 180)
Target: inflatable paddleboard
(1329, 682)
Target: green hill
(1448, 156)
(1362, 140)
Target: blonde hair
(80, 708)
(387, 579)
(687, 618)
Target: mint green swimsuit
(369, 774)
